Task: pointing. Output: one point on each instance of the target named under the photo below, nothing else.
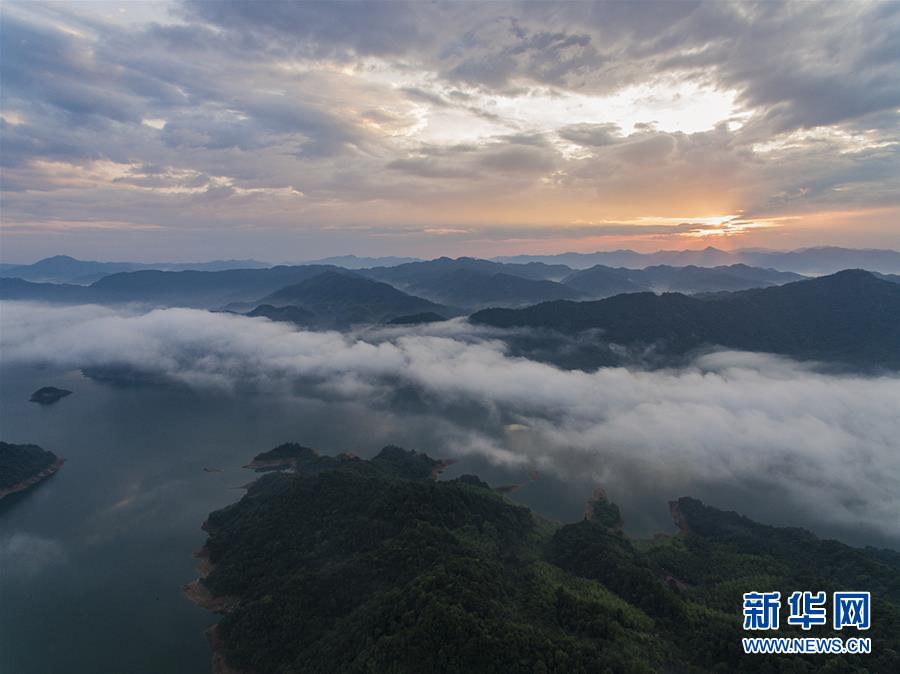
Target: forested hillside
(373, 566)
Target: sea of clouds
(822, 446)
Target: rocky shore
(33, 480)
(198, 593)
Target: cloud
(591, 135)
(798, 62)
(808, 446)
(292, 112)
(324, 29)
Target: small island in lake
(22, 466)
(358, 566)
(48, 395)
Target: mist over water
(97, 554)
(821, 446)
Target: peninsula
(23, 466)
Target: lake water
(93, 559)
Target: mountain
(417, 319)
(356, 565)
(19, 289)
(208, 289)
(200, 288)
(340, 299)
(850, 317)
(825, 259)
(355, 262)
(815, 261)
(474, 283)
(431, 271)
(295, 315)
(708, 257)
(693, 279)
(474, 288)
(601, 281)
(65, 269)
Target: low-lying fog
(778, 440)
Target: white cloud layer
(823, 444)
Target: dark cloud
(797, 62)
(520, 159)
(591, 135)
(429, 167)
(326, 29)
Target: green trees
(372, 566)
(22, 462)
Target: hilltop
(359, 565)
(851, 317)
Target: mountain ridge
(811, 260)
(345, 298)
(67, 269)
(851, 316)
(360, 565)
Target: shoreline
(219, 663)
(196, 590)
(35, 479)
(198, 594)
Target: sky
(155, 131)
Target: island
(354, 565)
(23, 466)
(47, 395)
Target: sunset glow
(458, 128)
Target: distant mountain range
(400, 270)
(600, 281)
(198, 288)
(207, 289)
(61, 293)
(820, 260)
(851, 317)
(65, 269)
(467, 283)
(431, 270)
(474, 283)
(356, 262)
